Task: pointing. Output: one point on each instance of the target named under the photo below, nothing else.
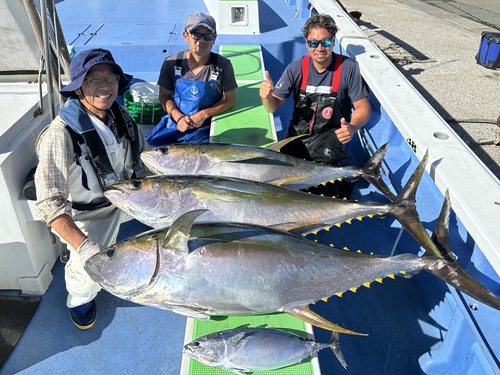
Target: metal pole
(37, 26)
(46, 52)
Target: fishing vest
(190, 96)
(318, 114)
(94, 171)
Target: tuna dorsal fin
(279, 145)
(308, 316)
(178, 234)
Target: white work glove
(87, 249)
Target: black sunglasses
(197, 36)
(313, 43)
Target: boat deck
(414, 326)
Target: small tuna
(258, 164)
(245, 349)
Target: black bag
(322, 148)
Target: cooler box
(143, 104)
(489, 50)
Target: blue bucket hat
(85, 60)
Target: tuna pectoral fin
(285, 180)
(456, 276)
(308, 316)
(190, 313)
(279, 145)
(301, 228)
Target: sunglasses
(197, 36)
(313, 43)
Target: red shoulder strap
(305, 70)
(336, 73)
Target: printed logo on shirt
(327, 113)
(194, 90)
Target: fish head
(148, 200)
(126, 267)
(210, 350)
(171, 159)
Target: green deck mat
(281, 321)
(246, 60)
(247, 122)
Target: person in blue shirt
(195, 85)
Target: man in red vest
(330, 97)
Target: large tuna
(210, 269)
(258, 164)
(157, 201)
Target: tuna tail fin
(456, 276)
(371, 172)
(335, 346)
(440, 236)
(449, 270)
(405, 212)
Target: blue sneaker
(84, 316)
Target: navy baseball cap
(85, 60)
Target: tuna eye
(164, 150)
(196, 343)
(137, 184)
(110, 252)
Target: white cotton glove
(87, 249)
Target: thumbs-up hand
(266, 87)
(344, 133)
